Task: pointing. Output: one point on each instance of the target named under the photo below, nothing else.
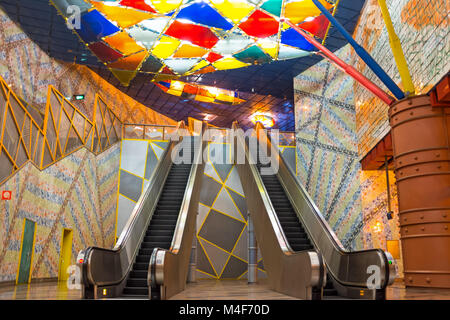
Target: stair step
(166, 217)
(151, 245)
(287, 219)
(330, 292)
(159, 222)
(301, 247)
(296, 241)
(154, 238)
(140, 266)
(139, 274)
(143, 258)
(288, 224)
(157, 233)
(136, 282)
(136, 291)
(152, 228)
(294, 235)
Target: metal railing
(28, 135)
(148, 131)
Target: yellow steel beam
(397, 50)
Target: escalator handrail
(384, 257)
(185, 205)
(122, 260)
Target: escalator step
(143, 258)
(287, 214)
(168, 218)
(154, 238)
(295, 241)
(289, 229)
(135, 282)
(146, 251)
(161, 228)
(287, 219)
(290, 224)
(151, 245)
(139, 274)
(140, 266)
(157, 233)
(168, 213)
(293, 235)
(158, 222)
(136, 291)
(285, 210)
(281, 205)
(301, 247)
(330, 292)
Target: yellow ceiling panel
(298, 11)
(198, 66)
(124, 43)
(270, 47)
(188, 51)
(229, 63)
(165, 6)
(235, 10)
(165, 47)
(125, 17)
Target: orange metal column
(421, 147)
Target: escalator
(293, 229)
(283, 212)
(161, 229)
(157, 239)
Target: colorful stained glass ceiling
(173, 38)
(198, 92)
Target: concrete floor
(207, 290)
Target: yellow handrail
(64, 130)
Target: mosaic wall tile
(79, 192)
(375, 207)
(223, 217)
(423, 29)
(327, 163)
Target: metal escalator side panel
(109, 268)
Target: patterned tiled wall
(138, 159)
(222, 222)
(79, 192)
(375, 207)
(327, 149)
(424, 29)
(222, 248)
(29, 71)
